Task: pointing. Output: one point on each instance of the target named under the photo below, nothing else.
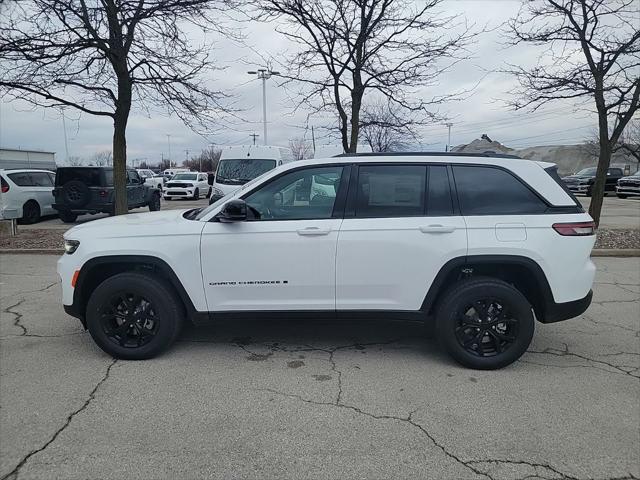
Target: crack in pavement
(13, 474)
(566, 353)
(34, 291)
(408, 419)
(18, 315)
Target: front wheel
(485, 323)
(196, 194)
(589, 192)
(134, 316)
(621, 195)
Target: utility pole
(254, 136)
(264, 75)
(66, 142)
(448, 147)
(169, 142)
(313, 141)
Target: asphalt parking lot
(617, 213)
(316, 399)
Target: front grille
(176, 193)
(628, 183)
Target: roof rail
(429, 154)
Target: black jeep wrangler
(80, 190)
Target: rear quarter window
(484, 190)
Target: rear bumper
(556, 312)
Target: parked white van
(241, 163)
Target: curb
(615, 252)
(33, 251)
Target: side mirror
(233, 211)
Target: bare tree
(74, 161)
(102, 159)
(300, 148)
(102, 56)
(386, 128)
(350, 47)
(593, 56)
(206, 161)
(629, 141)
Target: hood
(631, 178)
(168, 222)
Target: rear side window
(492, 191)
(391, 191)
(22, 179)
(41, 179)
(439, 201)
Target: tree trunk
(597, 192)
(120, 120)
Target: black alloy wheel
(484, 323)
(486, 328)
(134, 316)
(129, 320)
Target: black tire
(490, 344)
(30, 213)
(142, 303)
(196, 194)
(154, 203)
(75, 194)
(209, 193)
(589, 192)
(621, 195)
(67, 217)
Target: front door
(400, 231)
(283, 256)
(135, 188)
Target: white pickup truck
(151, 179)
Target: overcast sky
(483, 112)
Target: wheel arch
(98, 269)
(523, 273)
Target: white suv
(187, 185)
(481, 245)
(26, 194)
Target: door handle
(437, 229)
(314, 231)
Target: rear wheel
(134, 316)
(485, 323)
(67, 217)
(30, 213)
(154, 203)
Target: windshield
(587, 171)
(224, 199)
(238, 171)
(637, 174)
(184, 176)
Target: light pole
(264, 75)
(448, 125)
(169, 142)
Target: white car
(26, 194)
(187, 185)
(151, 179)
(482, 245)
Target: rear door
(42, 189)
(400, 227)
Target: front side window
(300, 195)
(391, 191)
(616, 172)
(492, 191)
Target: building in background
(18, 158)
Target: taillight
(578, 229)
(5, 186)
(103, 193)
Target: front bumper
(556, 312)
(177, 192)
(578, 187)
(628, 189)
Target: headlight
(71, 246)
(189, 184)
